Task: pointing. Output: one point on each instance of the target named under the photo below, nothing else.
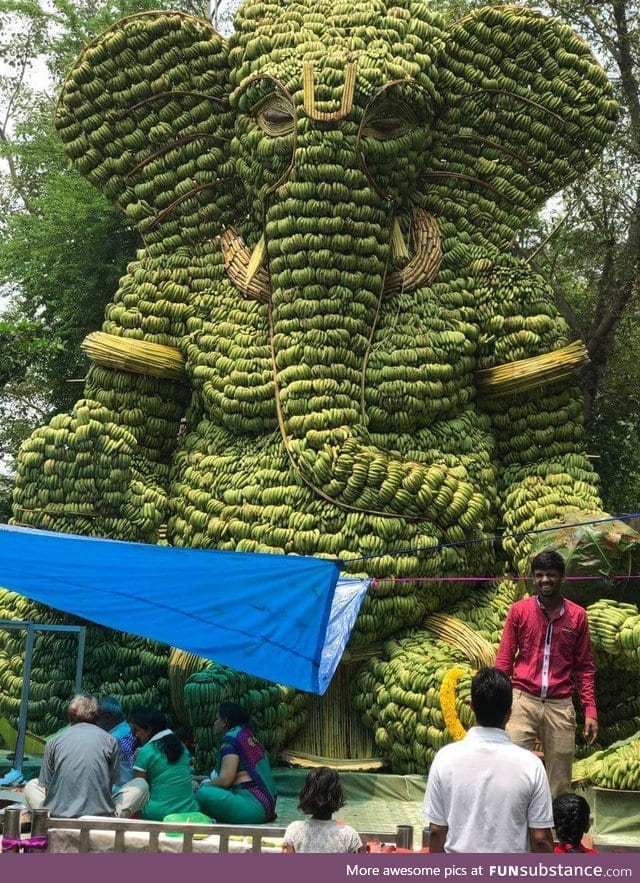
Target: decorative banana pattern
(323, 346)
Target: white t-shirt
(318, 835)
(488, 792)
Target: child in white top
(320, 797)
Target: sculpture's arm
(103, 470)
(527, 384)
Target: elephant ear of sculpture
(526, 109)
(144, 116)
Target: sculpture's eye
(388, 119)
(392, 139)
(275, 115)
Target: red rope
(485, 579)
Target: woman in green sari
(163, 761)
(241, 790)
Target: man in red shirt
(546, 649)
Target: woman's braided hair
(571, 819)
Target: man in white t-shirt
(485, 794)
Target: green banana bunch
(616, 767)
(277, 712)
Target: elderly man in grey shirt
(80, 766)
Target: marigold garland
(448, 703)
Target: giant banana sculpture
(325, 296)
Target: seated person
(111, 719)
(321, 796)
(163, 762)
(571, 817)
(80, 772)
(241, 790)
(79, 767)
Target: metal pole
(24, 699)
(14, 776)
(39, 819)
(404, 836)
(11, 825)
(426, 837)
(82, 637)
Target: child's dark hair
(322, 793)
(150, 718)
(570, 819)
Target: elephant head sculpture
(325, 292)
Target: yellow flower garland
(448, 703)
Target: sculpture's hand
(79, 474)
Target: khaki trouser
(553, 722)
(128, 799)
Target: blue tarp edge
(267, 615)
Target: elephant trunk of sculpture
(325, 299)
(328, 243)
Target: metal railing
(42, 826)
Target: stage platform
(381, 801)
(375, 801)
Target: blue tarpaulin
(284, 618)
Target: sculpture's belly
(243, 494)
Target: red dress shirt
(544, 655)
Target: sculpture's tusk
(237, 262)
(248, 274)
(423, 267)
(399, 249)
(257, 260)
